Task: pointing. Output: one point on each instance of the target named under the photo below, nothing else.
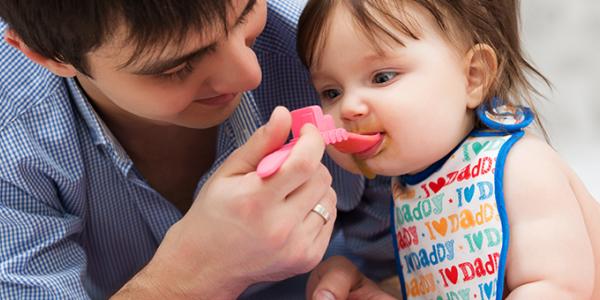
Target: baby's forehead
(389, 24)
(382, 24)
(386, 22)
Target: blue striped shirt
(77, 220)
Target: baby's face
(415, 96)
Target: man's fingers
(321, 216)
(311, 191)
(337, 277)
(265, 140)
(303, 162)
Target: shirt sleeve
(38, 257)
(366, 230)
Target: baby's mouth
(373, 150)
(358, 143)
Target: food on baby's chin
(364, 169)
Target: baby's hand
(338, 278)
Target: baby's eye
(330, 94)
(384, 77)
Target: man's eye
(180, 74)
(384, 77)
(330, 94)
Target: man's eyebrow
(159, 67)
(245, 12)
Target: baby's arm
(550, 254)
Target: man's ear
(481, 67)
(56, 67)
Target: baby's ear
(481, 66)
(56, 67)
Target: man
(127, 166)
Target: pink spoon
(356, 143)
(341, 139)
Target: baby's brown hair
(470, 22)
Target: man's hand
(242, 229)
(338, 279)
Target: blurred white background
(562, 39)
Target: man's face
(197, 85)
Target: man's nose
(239, 69)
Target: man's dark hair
(66, 30)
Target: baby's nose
(354, 108)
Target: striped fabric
(76, 218)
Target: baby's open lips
(357, 143)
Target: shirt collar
(245, 120)
(233, 133)
(101, 135)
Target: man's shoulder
(37, 122)
(23, 84)
(279, 36)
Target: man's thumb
(265, 140)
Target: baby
(482, 208)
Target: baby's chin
(361, 167)
(379, 165)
